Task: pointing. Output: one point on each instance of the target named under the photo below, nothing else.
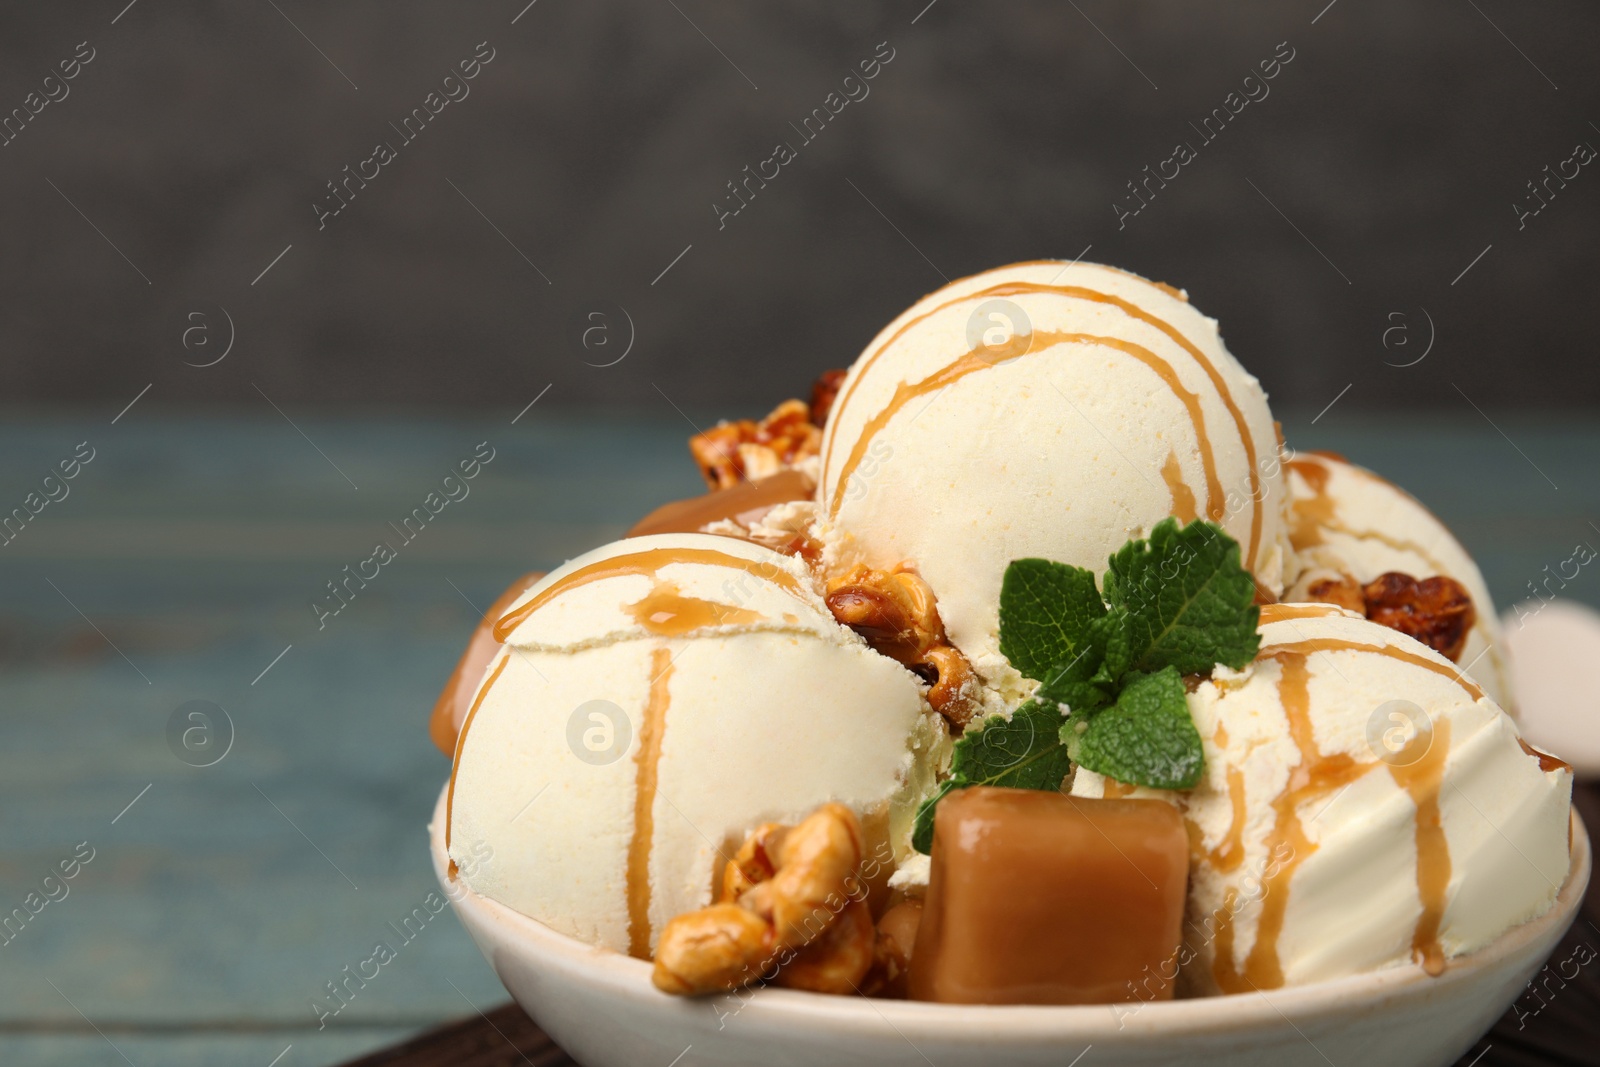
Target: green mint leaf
(1046, 610)
(1111, 635)
(1147, 737)
(1072, 737)
(1184, 599)
(1079, 683)
(1024, 752)
(922, 829)
(1081, 696)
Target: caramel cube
(1039, 898)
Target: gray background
(593, 146)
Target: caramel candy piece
(743, 502)
(450, 710)
(1040, 898)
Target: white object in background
(1555, 653)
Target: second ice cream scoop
(1043, 409)
(1365, 805)
(655, 700)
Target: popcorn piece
(733, 452)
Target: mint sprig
(1177, 603)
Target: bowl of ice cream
(602, 1008)
(1022, 693)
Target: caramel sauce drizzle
(1333, 644)
(1133, 311)
(1271, 613)
(1421, 779)
(1216, 504)
(1547, 762)
(1310, 514)
(1229, 853)
(1171, 290)
(1316, 776)
(647, 562)
(984, 358)
(1182, 495)
(667, 612)
(461, 743)
(648, 759)
(1222, 933)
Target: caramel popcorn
(1437, 611)
(1344, 591)
(794, 887)
(734, 452)
(824, 391)
(896, 613)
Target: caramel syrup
(1421, 779)
(1230, 852)
(1182, 495)
(646, 562)
(1330, 644)
(1271, 613)
(1320, 510)
(742, 503)
(461, 740)
(648, 759)
(1547, 762)
(1309, 515)
(1313, 778)
(667, 612)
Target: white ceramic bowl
(600, 1006)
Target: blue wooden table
(181, 565)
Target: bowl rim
(628, 977)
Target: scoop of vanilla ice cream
(657, 698)
(1364, 805)
(1043, 409)
(1345, 520)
